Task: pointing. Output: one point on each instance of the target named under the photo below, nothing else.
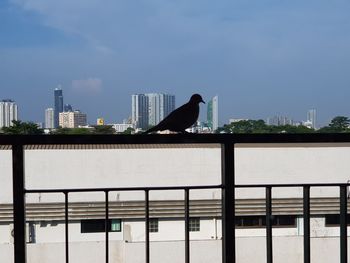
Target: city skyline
(260, 58)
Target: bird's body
(181, 118)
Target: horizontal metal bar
(120, 189)
(175, 138)
(291, 185)
(192, 187)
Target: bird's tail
(153, 129)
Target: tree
(103, 129)
(19, 127)
(129, 131)
(77, 131)
(338, 124)
(244, 126)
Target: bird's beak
(203, 101)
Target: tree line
(338, 124)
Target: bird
(181, 118)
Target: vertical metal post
(107, 225)
(306, 212)
(269, 225)
(228, 203)
(187, 226)
(147, 247)
(66, 226)
(343, 225)
(19, 223)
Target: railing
(227, 186)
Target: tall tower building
(58, 94)
(67, 107)
(311, 117)
(8, 113)
(159, 106)
(213, 113)
(139, 110)
(49, 118)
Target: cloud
(89, 86)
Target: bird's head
(196, 98)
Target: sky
(261, 57)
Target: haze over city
(261, 58)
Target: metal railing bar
(228, 204)
(306, 215)
(107, 225)
(291, 185)
(66, 230)
(187, 226)
(147, 246)
(269, 250)
(343, 225)
(18, 203)
(174, 139)
(120, 189)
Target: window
(153, 225)
(194, 225)
(260, 221)
(98, 225)
(334, 220)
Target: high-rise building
(159, 106)
(149, 109)
(58, 93)
(49, 118)
(72, 119)
(8, 113)
(279, 120)
(311, 117)
(139, 110)
(67, 107)
(213, 113)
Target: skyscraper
(67, 107)
(311, 117)
(159, 106)
(58, 94)
(139, 110)
(49, 118)
(8, 113)
(213, 113)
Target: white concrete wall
(273, 163)
(248, 250)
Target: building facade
(311, 118)
(72, 119)
(8, 113)
(213, 113)
(58, 99)
(49, 118)
(147, 165)
(139, 110)
(150, 108)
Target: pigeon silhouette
(181, 118)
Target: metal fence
(227, 186)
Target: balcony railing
(227, 186)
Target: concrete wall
(273, 163)
(248, 250)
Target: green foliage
(259, 126)
(71, 131)
(19, 127)
(103, 129)
(129, 131)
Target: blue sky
(261, 57)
